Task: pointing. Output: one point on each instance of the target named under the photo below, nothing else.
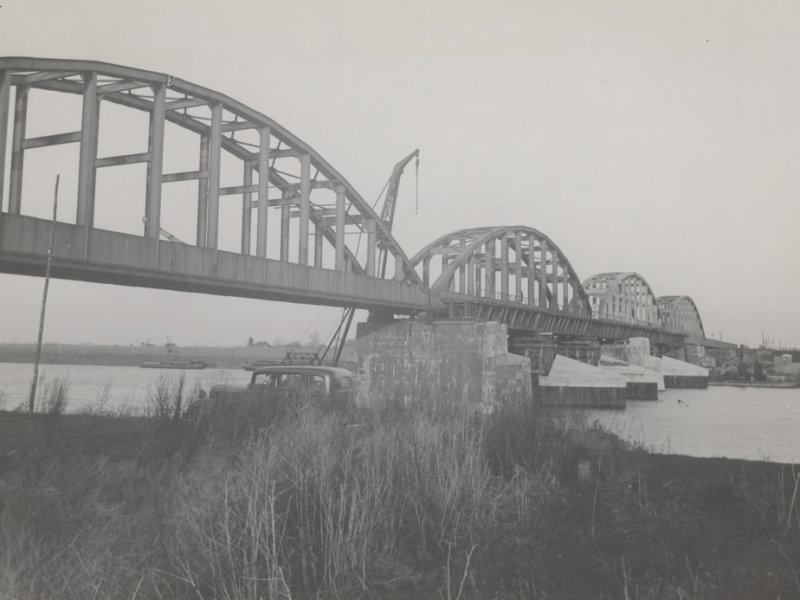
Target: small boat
(173, 364)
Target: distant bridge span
(519, 276)
(301, 223)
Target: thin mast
(32, 399)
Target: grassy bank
(297, 502)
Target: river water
(749, 423)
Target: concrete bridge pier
(676, 373)
(442, 363)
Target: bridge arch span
(681, 313)
(622, 297)
(283, 183)
(511, 264)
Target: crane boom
(387, 212)
(390, 202)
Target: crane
(392, 189)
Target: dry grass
(244, 501)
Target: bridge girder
(280, 171)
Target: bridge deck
(119, 258)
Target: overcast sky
(656, 137)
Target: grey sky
(657, 137)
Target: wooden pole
(32, 399)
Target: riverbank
(406, 504)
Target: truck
(333, 386)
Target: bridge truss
(680, 312)
(624, 297)
(322, 217)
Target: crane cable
(416, 189)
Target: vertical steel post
(284, 256)
(488, 261)
(318, 237)
(399, 267)
(247, 210)
(155, 165)
(372, 244)
(305, 204)
(426, 271)
(554, 279)
(531, 269)
(88, 156)
(340, 196)
(543, 273)
(5, 100)
(214, 156)
(565, 286)
(518, 264)
(263, 192)
(504, 267)
(202, 194)
(17, 152)
(471, 277)
(38, 355)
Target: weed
(54, 397)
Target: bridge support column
(399, 273)
(489, 267)
(371, 247)
(214, 155)
(459, 364)
(543, 274)
(247, 209)
(518, 265)
(17, 151)
(305, 205)
(284, 254)
(88, 156)
(263, 192)
(202, 194)
(5, 95)
(554, 281)
(531, 270)
(318, 247)
(156, 165)
(340, 196)
(504, 268)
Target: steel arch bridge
(680, 312)
(518, 276)
(299, 223)
(283, 184)
(624, 297)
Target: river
(749, 423)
